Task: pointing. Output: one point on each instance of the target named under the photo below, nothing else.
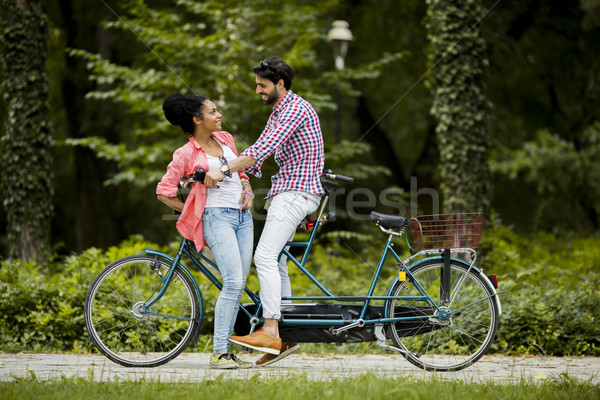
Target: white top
(230, 189)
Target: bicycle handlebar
(199, 175)
(340, 178)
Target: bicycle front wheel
(450, 339)
(120, 328)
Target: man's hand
(213, 177)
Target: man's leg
(286, 287)
(286, 212)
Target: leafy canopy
(207, 48)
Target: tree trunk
(92, 203)
(26, 176)
(457, 60)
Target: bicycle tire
(434, 344)
(120, 330)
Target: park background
(477, 105)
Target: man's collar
(286, 99)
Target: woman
(219, 218)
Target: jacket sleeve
(169, 183)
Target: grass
(367, 386)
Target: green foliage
(26, 175)
(528, 103)
(369, 71)
(204, 48)
(42, 309)
(549, 308)
(457, 58)
(553, 289)
(565, 176)
(213, 57)
(339, 154)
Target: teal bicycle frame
(187, 248)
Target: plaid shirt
(293, 133)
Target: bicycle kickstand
(381, 342)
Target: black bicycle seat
(388, 221)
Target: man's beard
(272, 97)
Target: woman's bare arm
(172, 202)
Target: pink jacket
(186, 160)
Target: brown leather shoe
(286, 350)
(259, 340)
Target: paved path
(192, 367)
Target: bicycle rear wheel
(122, 331)
(437, 343)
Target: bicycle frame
(187, 248)
(440, 312)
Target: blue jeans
(230, 235)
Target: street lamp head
(340, 35)
(340, 31)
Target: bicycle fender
(496, 296)
(480, 272)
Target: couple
(218, 216)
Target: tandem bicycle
(441, 312)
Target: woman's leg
(245, 243)
(219, 233)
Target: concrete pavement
(193, 367)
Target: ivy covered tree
(457, 59)
(26, 175)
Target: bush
(41, 309)
(549, 307)
(552, 284)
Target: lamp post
(339, 35)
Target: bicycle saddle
(388, 221)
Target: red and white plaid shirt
(293, 133)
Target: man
(293, 133)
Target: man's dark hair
(274, 69)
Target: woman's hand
(213, 177)
(246, 201)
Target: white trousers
(286, 212)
